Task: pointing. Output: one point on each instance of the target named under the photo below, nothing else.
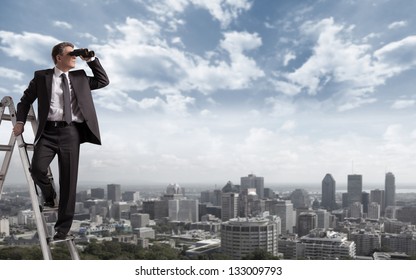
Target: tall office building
(114, 192)
(378, 197)
(253, 182)
(354, 188)
(97, 193)
(300, 199)
(390, 190)
(240, 237)
(328, 192)
(183, 210)
(307, 221)
(284, 209)
(374, 211)
(139, 220)
(229, 206)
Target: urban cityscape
(241, 220)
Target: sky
(213, 90)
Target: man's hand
(87, 59)
(18, 129)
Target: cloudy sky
(212, 90)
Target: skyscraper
(328, 192)
(252, 181)
(229, 206)
(390, 190)
(354, 188)
(284, 209)
(378, 196)
(114, 192)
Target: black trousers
(65, 143)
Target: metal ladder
(45, 240)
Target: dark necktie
(67, 101)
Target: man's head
(61, 58)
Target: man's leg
(68, 158)
(43, 154)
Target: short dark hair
(59, 49)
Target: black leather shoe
(50, 204)
(59, 236)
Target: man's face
(65, 61)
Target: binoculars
(82, 52)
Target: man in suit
(66, 118)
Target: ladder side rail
(6, 101)
(42, 234)
(72, 249)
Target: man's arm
(100, 78)
(23, 107)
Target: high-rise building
(284, 209)
(307, 221)
(252, 181)
(97, 193)
(378, 196)
(356, 210)
(328, 192)
(241, 236)
(114, 192)
(183, 210)
(390, 190)
(355, 188)
(374, 211)
(229, 206)
(365, 201)
(300, 199)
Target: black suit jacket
(40, 88)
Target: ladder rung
(5, 148)
(2, 177)
(6, 117)
(30, 147)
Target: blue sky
(209, 91)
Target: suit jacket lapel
(48, 81)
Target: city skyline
(209, 91)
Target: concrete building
(390, 190)
(300, 199)
(404, 242)
(284, 209)
(241, 236)
(355, 188)
(184, 210)
(139, 220)
(328, 192)
(378, 196)
(229, 206)
(97, 193)
(326, 245)
(253, 182)
(4, 227)
(307, 221)
(356, 210)
(374, 211)
(114, 192)
(366, 242)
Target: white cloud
(27, 46)
(397, 24)
(288, 57)
(62, 24)
(225, 11)
(11, 74)
(402, 104)
(337, 59)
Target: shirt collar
(58, 72)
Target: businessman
(66, 118)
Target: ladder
(45, 239)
